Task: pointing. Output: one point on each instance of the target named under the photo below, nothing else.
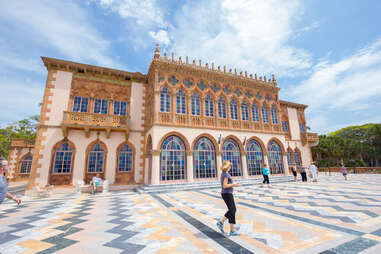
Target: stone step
(205, 185)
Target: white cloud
(161, 37)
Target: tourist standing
(265, 173)
(303, 173)
(227, 195)
(4, 184)
(293, 169)
(314, 172)
(344, 171)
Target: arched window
(244, 112)
(254, 157)
(125, 159)
(165, 100)
(195, 105)
(232, 153)
(96, 159)
(204, 159)
(265, 114)
(209, 106)
(255, 112)
(26, 164)
(289, 157)
(172, 159)
(62, 159)
(275, 158)
(274, 115)
(221, 108)
(180, 102)
(233, 110)
(297, 157)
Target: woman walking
(344, 171)
(227, 195)
(265, 173)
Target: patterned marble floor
(331, 216)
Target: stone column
(189, 168)
(155, 180)
(219, 164)
(244, 166)
(157, 106)
(285, 164)
(266, 160)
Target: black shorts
(294, 173)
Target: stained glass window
(274, 115)
(80, 104)
(284, 126)
(120, 108)
(165, 100)
(254, 157)
(275, 158)
(297, 158)
(100, 106)
(180, 102)
(232, 153)
(125, 159)
(289, 157)
(265, 114)
(62, 159)
(195, 105)
(233, 110)
(244, 112)
(26, 164)
(221, 108)
(204, 159)
(209, 106)
(254, 112)
(172, 159)
(96, 159)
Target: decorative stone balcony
(91, 121)
(312, 138)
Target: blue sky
(326, 54)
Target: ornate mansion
(177, 123)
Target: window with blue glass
(172, 159)
(297, 158)
(100, 106)
(96, 159)
(231, 152)
(204, 159)
(255, 112)
(209, 106)
(125, 159)
(284, 126)
(274, 115)
(275, 158)
(80, 104)
(244, 112)
(165, 100)
(289, 157)
(63, 159)
(254, 158)
(195, 105)
(233, 110)
(221, 108)
(120, 108)
(301, 126)
(265, 114)
(180, 102)
(26, 164)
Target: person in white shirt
(95, 182)
(4, 184)
(313, 169)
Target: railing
(91, 119)
(22, 143)
(312, 137)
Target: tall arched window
(265, 114)
(62, 159)
(195, 105)
(165, 100)
(209, 106)
(297, 157)
(26, 164)
(233, 110)
(274, 115)
(204, 159)
(255, 112)
(96, 159)
(289, 157)
(275, 158)
(221, 108)
(180, 102)
(172, 159)
(125, 159)
(254, 157)
(232, 153)
(244, 112)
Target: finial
(256, 78)
(224, 68)
(157, 52)
(240, 73)
(207, 66)
(264, 78)
(219, 68)
(274, 80)
(245, 74)
(186, 59)
(173, 57)
(194, 62)
(165, 55)
(213, 66)
(260, 78)
(199, 61)
(180, 61)
(235, 71)
(251, 76)
(230, 70)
